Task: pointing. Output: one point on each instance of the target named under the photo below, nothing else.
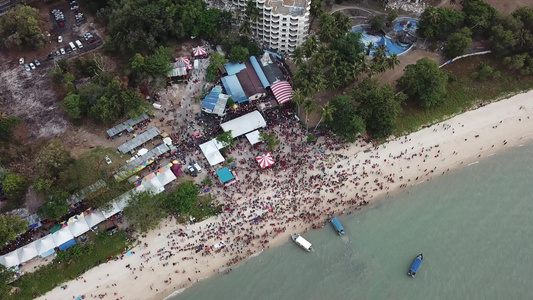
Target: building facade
(283, 24)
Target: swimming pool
(406, 24)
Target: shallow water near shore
(474, 226)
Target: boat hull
(416, 264)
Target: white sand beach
(267, 206)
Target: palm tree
(309, 106)
(298, 56)
(326, 113)
(393, 61)
(298, 98)
(310, 46)
(252, 11)
(246, 28)
(369, 48)
(316, 10)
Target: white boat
(298, 239)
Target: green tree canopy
(52, 159)
(270, 139)
(15, 187)
(56, 207)
(7, 126)
(345, 121)
(144, 210)
(439, 23)
(22, 26)
(6, 276)
(10, 227)
(479, 16)
(72, 106)
(378, 106)
(226, 139)
(333, 26)
(425, 82)
(239, 54)
(349, 48)
(458, 43)
(183, 199)
(377, 23)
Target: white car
(32, 66)
(59, 39)
(21, 60)
(107, 160)
(62, 50)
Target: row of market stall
(63, 236)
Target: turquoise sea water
(474, 226)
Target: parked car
(57, 53)
(60, 39)
(62, 50)
(79, 44)
(192, 171)
(26, 67)
(21, 60)
(37, 62)
(32, 66)
(107, 160)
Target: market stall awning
(62, 235)
(113, 210)
(199, 51)
(282, 91)
(94, 218)
(27, 252)
(79, 227)
(10, 260)
(45, 244)
(265, 160)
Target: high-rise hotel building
(283, 24)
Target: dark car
(192, 171)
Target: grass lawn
(203, 210)
(96, 251)
(465, 92)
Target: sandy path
(400, 163)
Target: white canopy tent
(167, 141)
(79, 227)
(27, 252)
(45, 244)
(114, 209)
(244, 124)
(62, 235)
(94, 218)
(210, 150)
(154, 186)
(10, 260)
(253, 137)
(166, 177)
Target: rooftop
(294, 8)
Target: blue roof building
(234, 68)
(234, 89)
(259, 72)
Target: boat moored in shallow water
(337, 225)
(416, 264)
(298, 239)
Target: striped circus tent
(282, 91)
(199, 51)
(185, 60)
(265, 160)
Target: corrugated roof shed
(139, 140)
(250, 81)
(129, 167)
(234, 89)
(123, 126)
(259, 72)
(234, 68)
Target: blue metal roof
(225, 175)
(337, 224)
(259, 72)
(67, 245)
(211, 99)
(234, 68)
(234, 89)
(416, 264)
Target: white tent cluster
(79, 224)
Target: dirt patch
(508, 6)
(406, 59)
(29, 96)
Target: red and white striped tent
(282, 91)
(265, 160)
(199, 51)
(185, 60)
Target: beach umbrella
(199, 51)
(265, 160)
